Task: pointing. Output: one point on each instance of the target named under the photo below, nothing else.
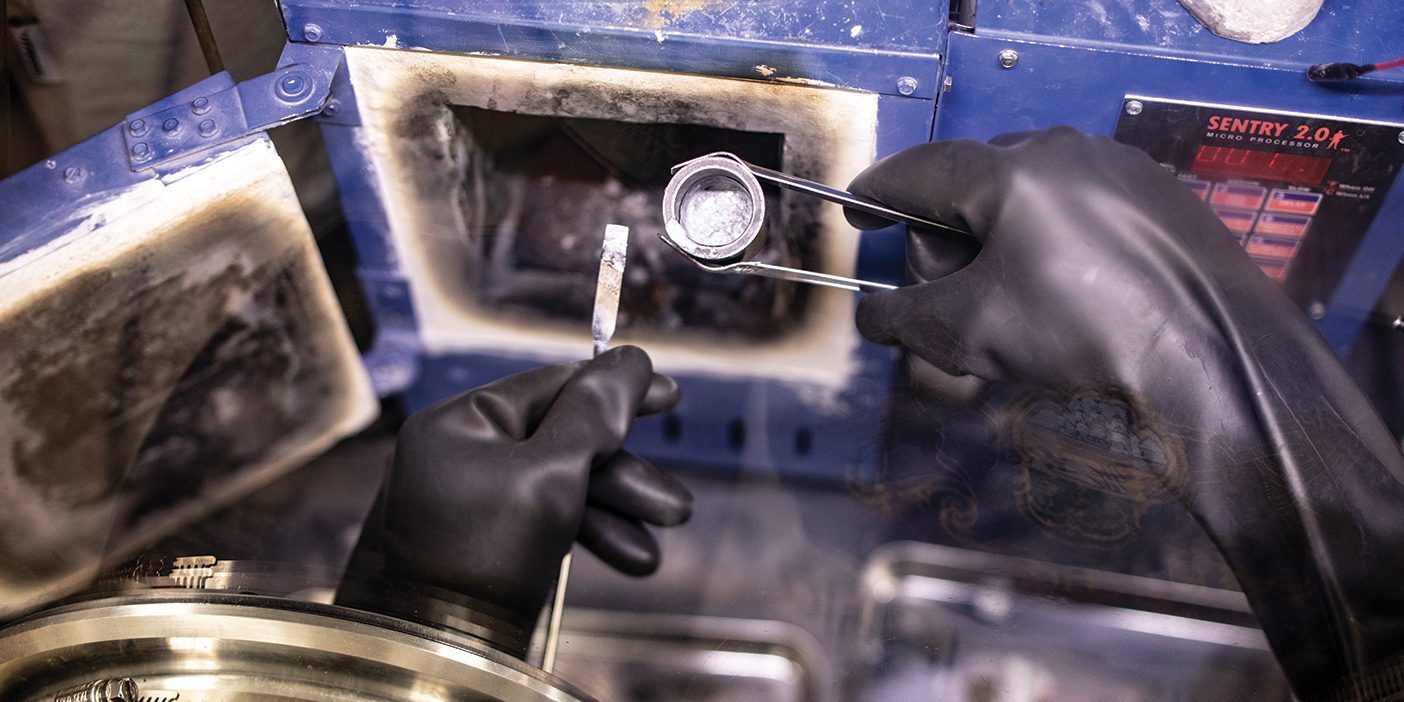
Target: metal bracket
(216, 111)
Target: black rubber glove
(1150, 344)
(489, 489)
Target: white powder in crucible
(714, 215)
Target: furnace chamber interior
(539, 190)
(499, 177)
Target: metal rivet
(141, 151)
(311, 32)
(207, 128)
(1401, 137)
(51, 164)
(137, 127)
(1134, 107)
(200, 106)
(170, 126)
(333, 106)
(1008, 58)
(906, 85)
(72, 174)
(293, 86)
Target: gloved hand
(489, 489)
(1148, 341)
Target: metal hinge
(216, 110)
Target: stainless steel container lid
(212, 647)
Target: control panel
(1298, 191)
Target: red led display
(1260, 165)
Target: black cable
(196, 9)
(1337, 72)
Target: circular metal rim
(269, 625)
(695, 171)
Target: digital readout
(1260, 165)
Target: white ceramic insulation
(1254, 21)
(179, 348)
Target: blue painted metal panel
(891, 25)
(760, 40)
(43, 201)
(1084, 87)
(717, 421)
(1359, 31)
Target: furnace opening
(539, 190)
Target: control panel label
(1297, 191)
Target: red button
(1282, 225)
(1237, 221)
(1199, 187)
(1248, 197)
(1275, 269)
(1294, 201)
(1271, 246)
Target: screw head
(311, 32)
(1008, 58)
(1134, 107)
(293, 86)
(141, 151)
(332, 107)
(72, 174)
(1316, 310)
(208, 128)
(170, 126)
(137, 127)
(200, 105)
(906, 85)
(1401, 137)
